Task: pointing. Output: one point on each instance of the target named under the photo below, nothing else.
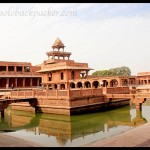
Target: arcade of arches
(93, 83)
(97, 83)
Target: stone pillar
(23, 82)
(86, 73)
(119, 82)
(38, 82)
(58, 86)
(7, 68)
(138, 106)
(138, 103)
(108, 84)
(92, 85)
(15, 68)
(47, 88)
(104, 90)
(22, 68)
(8, 81)
(67, 85)
(15, 82)
(75, 85)
(31, 82)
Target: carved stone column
(138, 103)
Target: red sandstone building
(19, 74)
(59, 72)
(67, 86)
(143, 82)
(143, 78)
(68, 89)
(59, 69)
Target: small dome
(58, 44)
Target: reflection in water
(59, 130)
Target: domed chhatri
(57, 54)
(58, 44)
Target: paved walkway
(11, 141)
(136, 137)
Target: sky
(104, 35)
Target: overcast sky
(104, 35)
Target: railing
(69, 93)
(141, 95)
(118, 90)
(38, 93)
(85, 92)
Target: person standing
(7, 86)
(12, 86)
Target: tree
(118, 71)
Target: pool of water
(50, 130)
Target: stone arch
(124, 82)
(79, 85)
(95, 84)
(50, 86)
(62, 86)
(49, 76)
(104, 83)
(82, 74)
(55, 86)
(145, 81)
(72, 85)
(87, 84)
(113, 83)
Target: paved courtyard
(136, 137)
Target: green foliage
(119, 71)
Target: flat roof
(64, 67)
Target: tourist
(12, 86)
(7, 86)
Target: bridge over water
(137, 98)
(32, 95)
(5, 102)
